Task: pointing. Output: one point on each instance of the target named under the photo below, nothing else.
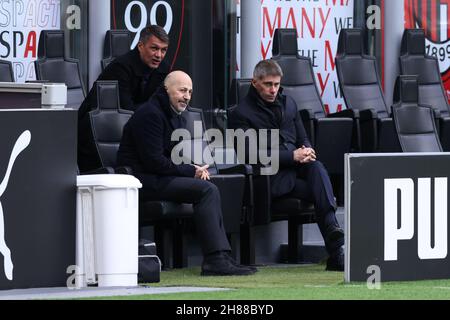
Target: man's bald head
(176, 76)
(178, 85)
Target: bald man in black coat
(146, 147)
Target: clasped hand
(304, 155)
(202, 172)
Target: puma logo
(21, 144)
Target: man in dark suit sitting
(300, 175)
(146, 147)
(140, 72)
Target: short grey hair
(266, 68)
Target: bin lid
(108, 181)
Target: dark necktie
(277, 112)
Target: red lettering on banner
(341, 3)
(308, 21)
(267, 22)
(329, 56)
(327, 108)
(324, 20)
(322, 84)
(31, 45)
(291, 15)
(265, 51)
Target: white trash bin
(107, 230)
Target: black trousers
(313, 185)
(205, 198)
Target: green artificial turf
(291, 283)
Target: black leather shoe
(334, 234)
(231, 259)
(336, 261)
(220, 265)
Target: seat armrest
(306, 114)
(244, 169)
(346, 113)
(124, 170)
(368, 114)
(256, 168)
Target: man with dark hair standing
(300, 175)
(139, 72)
(146, 147)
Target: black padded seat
(361, 87)
(415, 61)
(239, 89)
(6, 71)
(53, 66)
(162, 210)
(107, 122)
(117, 43)
(415, 125)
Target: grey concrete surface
(91, 292)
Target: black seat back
(358, 74)
(414, 123)
(239, 89)
(298, 80)
(117, 43)
(414, 61)
(54, 67)
(107, 122)
(6, 71)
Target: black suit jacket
(253, 113)
(146, 143)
